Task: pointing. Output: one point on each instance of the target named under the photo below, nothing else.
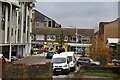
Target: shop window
(51, 37)
(65, 38)
(85, 38)
(39, 37)
(73, 38)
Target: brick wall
(111, 30)
(27, 72)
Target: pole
(76, 41)
(10, 49)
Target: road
(64, 77)
(59, 77)
(34, 59)
(40, 59)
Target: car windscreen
(59, 60)
(116, 62)
(70, 58)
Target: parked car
(87, 61)
(4, 58)
(116, 62)
(50, 54)
(7, 60)
(13, 58)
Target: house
(40, 20)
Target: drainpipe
(10, 49)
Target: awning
(79, 45)
(37, 42)
(113, 40)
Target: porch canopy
(79, 45)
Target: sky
(79, 14)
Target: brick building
(110, 35)
(40, 20)
(50, 36)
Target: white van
(73, 62)
(60, 64)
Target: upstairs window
(37, 23)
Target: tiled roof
(66, 31)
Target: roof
(66, 31)
(101, 24)
(59, 56)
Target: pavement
(34, 59)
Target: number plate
(58, 70)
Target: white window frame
(40, 37)
(72, 39)
(37, 23)
(49, 37)
(65, 38)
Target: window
(37, 23)
(32, 37)
(18, 34)
(73, 38)
(49, 23)
(65, 38)
(28, 22)
(85, 38)
(39, 37)
(3, 16)
(12, 32)
(8, 34)
(51, 37)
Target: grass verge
(101, 74)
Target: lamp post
(76, 33)
(76, 39)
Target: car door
(86, 62)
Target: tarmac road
(70, 76)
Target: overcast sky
(80, 14)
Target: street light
(76, 35)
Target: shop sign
(59, 44)
(37, 42)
